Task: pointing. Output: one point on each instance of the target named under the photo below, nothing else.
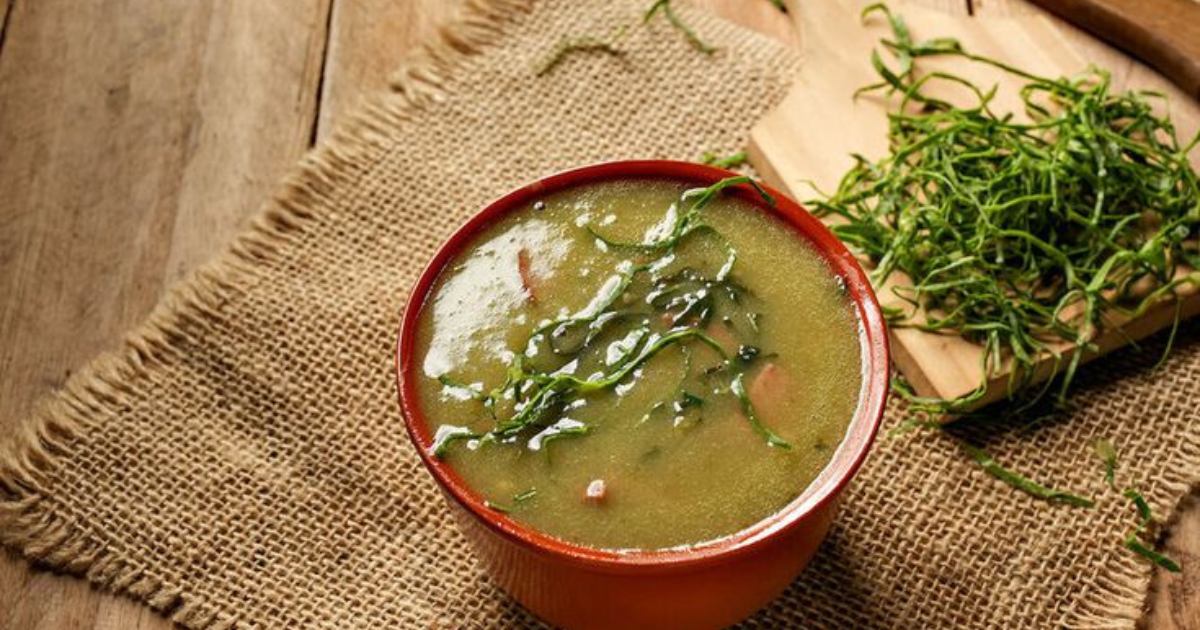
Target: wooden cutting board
(811, 135)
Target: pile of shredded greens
(1019, 233)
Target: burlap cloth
(241, 462)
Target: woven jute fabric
(240, 461)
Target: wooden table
(136, 137)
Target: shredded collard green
(1133, 540)
(532, 401)
(1108, 454)
(1023, 483)
(732, 160)
(610, 45)
(581, 44)
(664, 7)
(1019, 233)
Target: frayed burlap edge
(29, 522)
(1122, 590)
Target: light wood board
(811, 136)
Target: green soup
(637, 365)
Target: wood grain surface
(137, 135)
(1163, 33)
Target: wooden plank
(254, 107)
(1174, 599)
(135, 136)
(367, 39)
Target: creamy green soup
(638, 365)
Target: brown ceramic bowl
(707, 586)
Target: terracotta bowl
(707, 586)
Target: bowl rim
(821, 492)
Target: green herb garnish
(1019, 234)
(1022, 483)
(664, 6)
(449, 434)
(491, 505)
(728, 161)
(747, 353)
(462, 391)
(586, 43)
(1108, 454)
(610, 45)
(1137, 546)
(1133, 540)
(518, 498)
(689, 221)
(739, 389)
(540, 386)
